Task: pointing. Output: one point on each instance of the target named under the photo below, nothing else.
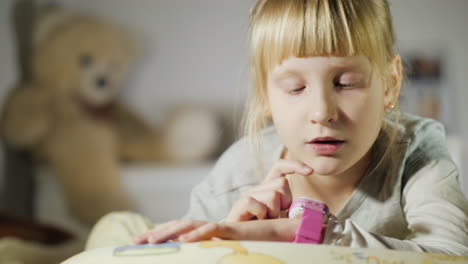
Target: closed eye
(298, 90)
(344, 85)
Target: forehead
(295, 65)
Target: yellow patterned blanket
(249, 252)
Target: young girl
(326, 74)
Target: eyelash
(298, 90)
(339, 85)
(344, 85)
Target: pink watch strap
(310, 229)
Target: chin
(326, 171)
(325, 166)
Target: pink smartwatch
(314, 215)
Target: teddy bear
(70, 117)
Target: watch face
(296, 212)
(304, 203)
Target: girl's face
(328, 110)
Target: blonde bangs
(307, 28)
(277, 34)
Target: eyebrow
(348, 66)
(284, 74)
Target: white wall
(7, 63)
(438, 27)
(462, 102)
(441, 26)
(7, 50)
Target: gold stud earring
(389, 109)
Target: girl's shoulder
(423, 136)
(425, 142)
(414, 125)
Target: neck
(334, 190)
(348, 179)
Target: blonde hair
(303, 28)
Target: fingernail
(306, 169)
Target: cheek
(283, 110)
(364, 114)
(363, 104)
(288, 120)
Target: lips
(325, 145)
(326, 140)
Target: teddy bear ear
(47, 22)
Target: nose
(101, 82)
(323, 108)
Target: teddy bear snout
(102, 82)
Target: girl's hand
(272, 196)
(169, 231)
(282, 229)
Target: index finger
(284, 167)
(265, 230)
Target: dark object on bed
(30, 230)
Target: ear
(48, 22)
(267, 110)
(392, 89)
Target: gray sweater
(413, 201)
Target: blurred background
(195, 53)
